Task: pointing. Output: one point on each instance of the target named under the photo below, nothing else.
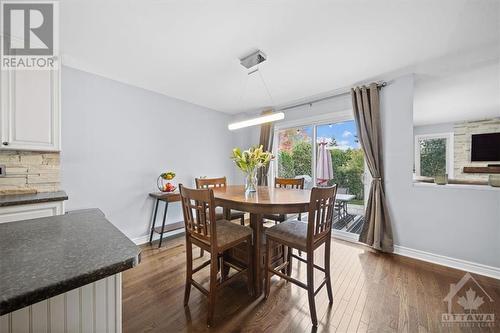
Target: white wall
(462, 224)
(243, 138)
(467, 93)
(118, 138)
(457, 223)
(434, 129)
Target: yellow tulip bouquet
(249, 161)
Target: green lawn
(360, 202)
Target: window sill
(457, 186)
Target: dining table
(265, 200)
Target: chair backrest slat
(210, 182)
(198, 209)
(321, 209)
(296, 183)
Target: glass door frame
(314, 122)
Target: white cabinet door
(31, 211)
(30, 114)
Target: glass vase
(251, 181)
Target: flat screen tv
(485, 147)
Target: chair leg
(201, 252)
(267, 269)
(289, 259)
(284, 252)
(189, 271)
(212, 293)
(242, 220)
(327, 269)
(249, 266)
(224, 269)
(310, 288)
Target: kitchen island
(62, 273)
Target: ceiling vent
(253, 59)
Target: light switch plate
(2, 170)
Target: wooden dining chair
(306, 237)
(293, 183)
(219, 182)
(219, 213)
(204, 231)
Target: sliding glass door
(326, 154)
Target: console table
(166, 197)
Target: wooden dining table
(266, 200)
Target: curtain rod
(379, 85)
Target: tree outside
(295, 152)
(348, 169)
(348, 165)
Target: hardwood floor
(372, 293)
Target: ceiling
(469, 94)
(190, 49)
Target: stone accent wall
(462, 145)
(27, 171)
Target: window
(434, 155)
(295, 153)
(348, 161)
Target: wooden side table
(166, 198)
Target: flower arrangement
(163, 182)
(249, 161)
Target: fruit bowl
(168, 187)
(163, 182)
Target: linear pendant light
(257, 121)
(249, 62)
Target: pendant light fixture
(256, 121)
(248, 62)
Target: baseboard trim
(468, 266)
(145, 239)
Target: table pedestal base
(238, 254)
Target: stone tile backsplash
(462, 145)
(28, 171)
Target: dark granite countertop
(24, 199)
(45, 257)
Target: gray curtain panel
(377, 230)
(266, 140)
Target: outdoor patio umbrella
(324, 170)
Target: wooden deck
(372, 293)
